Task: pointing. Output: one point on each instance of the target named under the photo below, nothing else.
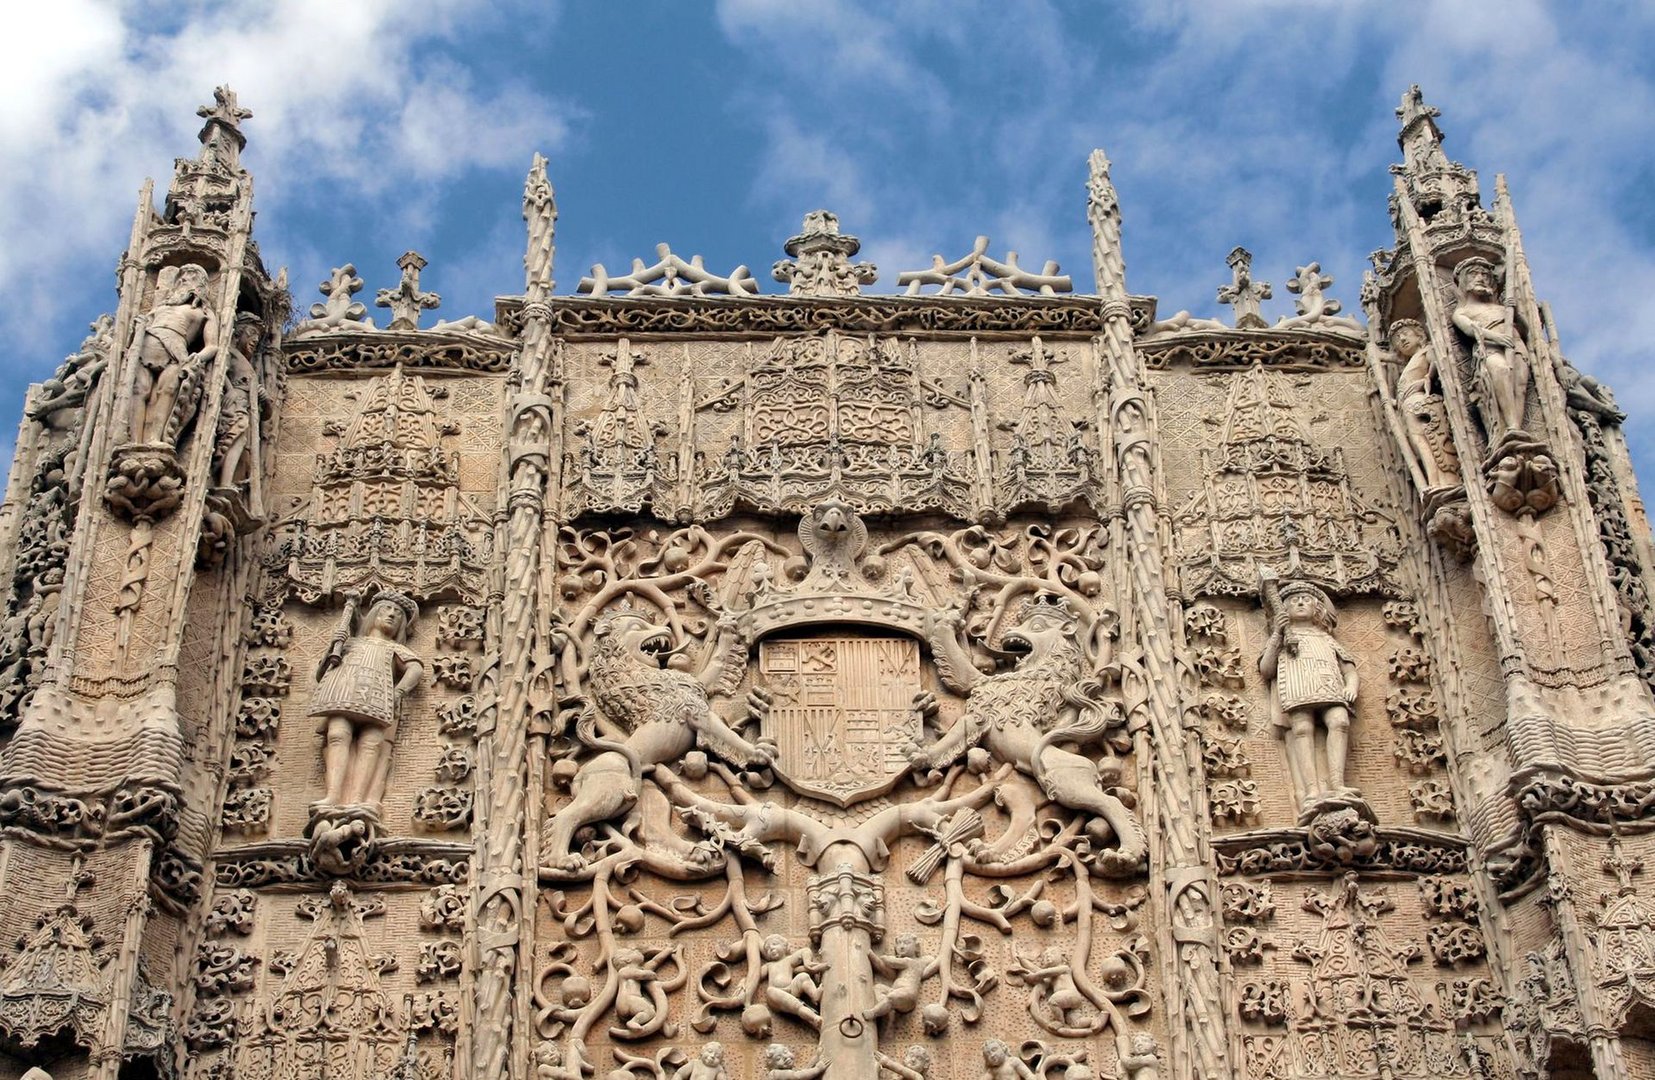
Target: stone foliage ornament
(820, 263)
(979, 274)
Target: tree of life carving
(894, 692)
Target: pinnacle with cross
(1243, 293)
(1624, 868)
(406, 300)
(225, 108)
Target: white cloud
(352, 101)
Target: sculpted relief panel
(842, 803)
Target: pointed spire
(1434, 182)
(221, 139)
(540, 211)
(1103, 212)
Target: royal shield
(842, 714)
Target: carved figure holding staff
(359, 684)
(1313, 681)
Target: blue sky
(382, 125)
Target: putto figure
(1313, 681)
(359, 684)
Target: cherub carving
(999, 1063)
(1028, 716)
(708, 1065)
(780, 1063)
(548, 1063)
(1052, 982)
(660, 712)
(641, 993)
(790, 980)
(906, 969)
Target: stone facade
(675, 681)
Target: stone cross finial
(1243, 293)
(1307, 284)
(821, 263)
(225, 108)
(406, 300)
(1624, 868)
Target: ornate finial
(1243, 293)
(1414, 110)
(1103, 213)
(540, 211)
(977, 274)
(1307, 284)
(225, 109)
(821, 263)
(339, 308)
(1624, 868)
(406, 300)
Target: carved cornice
(1383, 848)
(351, 350)
(769, 315)
(287, 863)
(1227, 349)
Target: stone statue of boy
(1313, 681)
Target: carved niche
(385, 509)
(1272, 499)
(892, 775)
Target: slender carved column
(1194, 996)
(504, 896)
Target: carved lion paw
(925, 703)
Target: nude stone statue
(790, 980)
(1313, 681)
(906, 969)
(1497, 347)
(179, 340)
(708, 1065)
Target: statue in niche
(662, 713)
(245, 405)
(1497, 347)
(1312, 681)
(178, 340)
(1028, 716)
(1424, 420)
(359, 684)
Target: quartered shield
(842, 712)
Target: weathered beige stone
(673, 681)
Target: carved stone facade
(675, 680)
